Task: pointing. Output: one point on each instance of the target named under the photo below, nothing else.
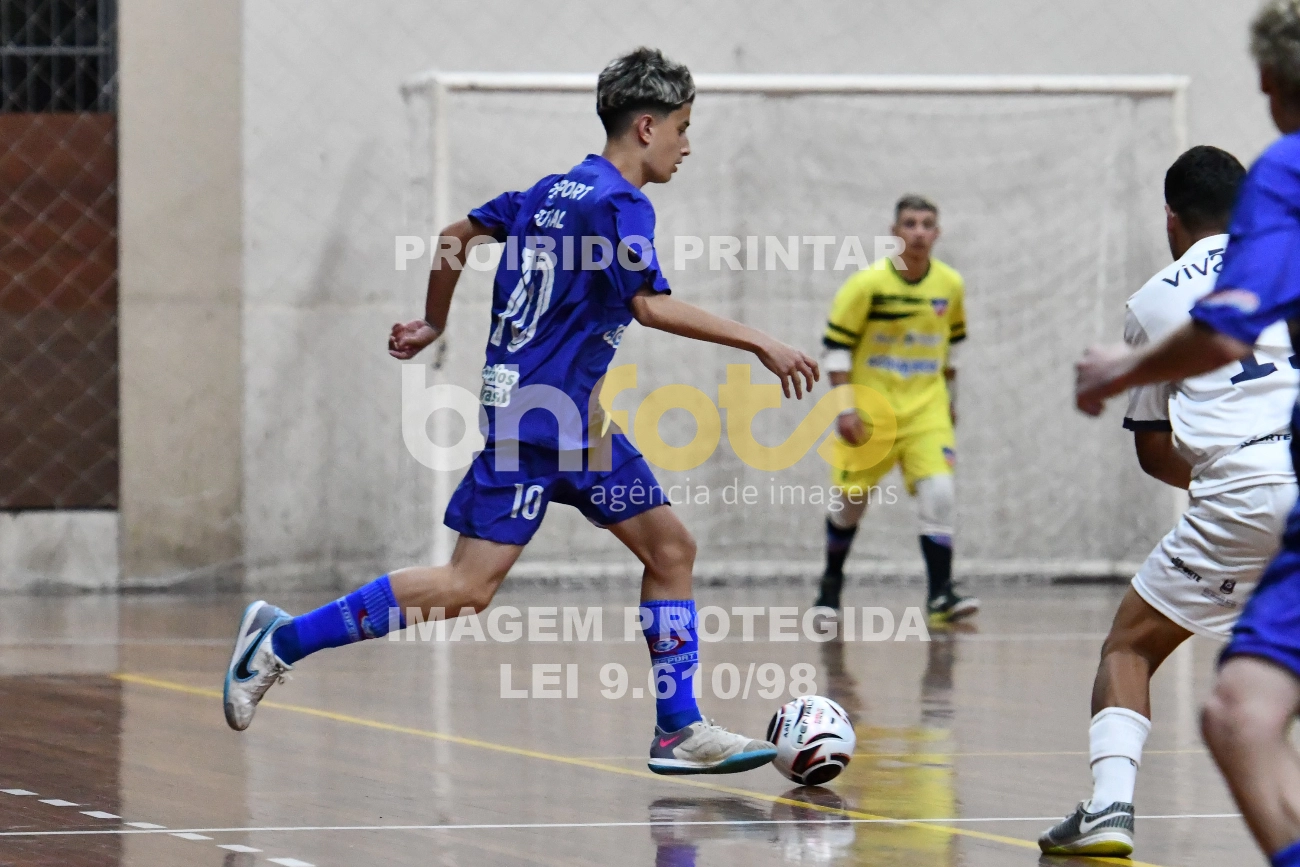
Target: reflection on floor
(113, 750)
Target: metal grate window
(58, 55)
(58, 254)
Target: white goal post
(429, 97)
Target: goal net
(1050, 192)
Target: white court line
(225, 642)
(19, 792)
(235, 847)
(99, 814)
(58, 802)
(148, 826)
(290, 862)
(192, 833)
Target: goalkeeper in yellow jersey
(894, 330)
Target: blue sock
(361, 614)
(674, 651)
(1288, 857)
(674, 855)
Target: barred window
(58, 55)
(58, 255)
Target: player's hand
(851, 428)
(409, 338)
(1097, 376)
(794, 368)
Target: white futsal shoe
(1105, 832)
(705, 748)
(254, 668)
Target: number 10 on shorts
(527, 502)
(726, 681)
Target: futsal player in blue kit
(556, 323)
(1257, 694)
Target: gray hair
(639, 81)
(1275, 42)
(913, 202)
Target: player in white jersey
(1225, 437)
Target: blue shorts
(1269, 627)
(507, 506)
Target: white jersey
(1232, 424)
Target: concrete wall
(330, 494)
(263, 176)
(181, 256)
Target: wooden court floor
(114, 751)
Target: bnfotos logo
(741, 398)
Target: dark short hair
(913, 202)
(641, 81)
(1201, 187)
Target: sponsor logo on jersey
(1227, 586)
(1185, 569)
(1271, 438)
(1238, 299)
(913, 338)
(498, 381)
(903, 366)
(1212, 262)
(615, 337)
(940, 306)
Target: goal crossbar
(563, 82)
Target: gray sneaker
(254, 668)
(1106, 832)
(705, 748)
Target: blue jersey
(578, 247)
(1260, 280)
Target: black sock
(937, 551)
(838, 542)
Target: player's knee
(475, 591)
(1232, 718)
(936, 501)
(674, 553)
(845, 512)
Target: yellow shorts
(925, 453)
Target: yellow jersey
(899, 333)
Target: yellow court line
(612, 769)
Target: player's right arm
(1159, 460)
(1148, 418)
(844, 328)
(454, 243)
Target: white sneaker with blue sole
(705, 748)
(254, 668)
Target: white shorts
(1203, 571)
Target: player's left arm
(956, 335)
(661, 311)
